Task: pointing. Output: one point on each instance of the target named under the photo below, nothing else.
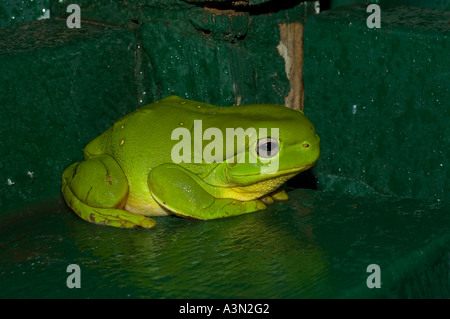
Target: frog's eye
(267, 147)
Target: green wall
(428, 4)
(13, 12)
(385, 92)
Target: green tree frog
(190, 159)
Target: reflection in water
(261, 255)
(317, 244)
(269, 254)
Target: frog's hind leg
(97, 189)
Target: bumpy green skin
(129, 174)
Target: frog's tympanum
(190, 159)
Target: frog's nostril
(305, 145)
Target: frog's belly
(144, 204)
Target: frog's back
(150, 128)
(147, 130)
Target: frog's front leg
(181, 192)
(97, 189)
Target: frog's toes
(260, 205)
(120, 218)
(279, 195)
(147, 223)
(267, 199)
(126, 219)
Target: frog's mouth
(277, 173)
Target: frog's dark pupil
(266, 148)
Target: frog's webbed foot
(278, 195)
(96, 190)
(175, 189)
